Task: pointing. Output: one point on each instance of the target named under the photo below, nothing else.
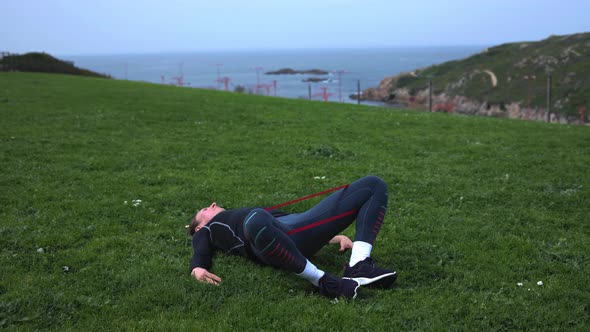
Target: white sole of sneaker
(366, 281)
(358, 284)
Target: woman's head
(203, 216)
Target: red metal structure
(225, 80)
(324, 94)
(267, 87)
(264, 86)
(179, 79)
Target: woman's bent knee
(375, 181)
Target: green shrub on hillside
(42, 63)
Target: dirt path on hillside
(492, 77)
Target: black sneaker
(333, 287)
(366, 272)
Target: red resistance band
(306, 197)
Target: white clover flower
(40, 250)
(539, 283)
(519, 284)
(125, 202)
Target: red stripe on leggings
(321, 222)
(276, 247)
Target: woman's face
(206, 214)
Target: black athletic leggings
(285, 242)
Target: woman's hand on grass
(343, 240)
(205, 276)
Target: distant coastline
(246, 68)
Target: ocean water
(346, 67)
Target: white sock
(360, 251)
(311, 273)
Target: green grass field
(477, 205)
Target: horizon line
(253, 50)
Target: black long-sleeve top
(224, 232)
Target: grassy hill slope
(477, 205)
(564, 57)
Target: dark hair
(193, 224)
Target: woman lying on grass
(286, 241)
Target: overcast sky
(70, 27)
